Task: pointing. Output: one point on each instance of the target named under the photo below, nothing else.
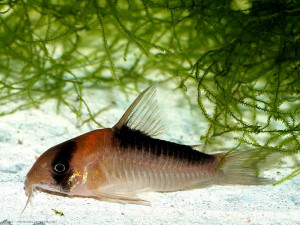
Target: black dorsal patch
(63, 156)
(135, 139)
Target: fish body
(125, 161)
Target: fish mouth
(30, 189)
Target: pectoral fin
(122, 198)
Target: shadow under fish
(123, 163)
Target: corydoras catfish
(124, 162)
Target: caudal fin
(234, 171)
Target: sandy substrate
(29, 133)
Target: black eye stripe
(63, 156)
(66, 151)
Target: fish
(123, 163)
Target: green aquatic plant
(242, 56)
(58, 212)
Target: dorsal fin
(143, 114)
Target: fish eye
(59, 168)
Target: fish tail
(234, 169)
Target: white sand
(29, 133)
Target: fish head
(52, 170)
(72, 167)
